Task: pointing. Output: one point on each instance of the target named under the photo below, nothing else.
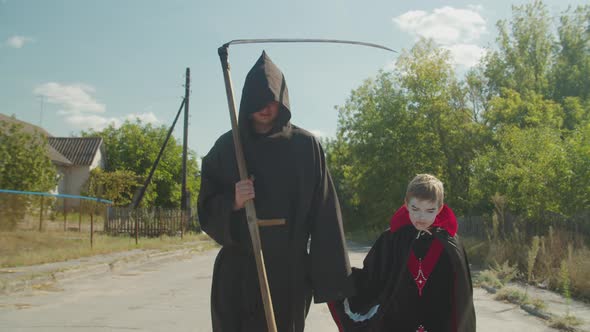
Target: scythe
(253, 221)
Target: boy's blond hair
(426, 187)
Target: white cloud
(456, 29)
(75, 98)
(467, 55)
(97, 122)
(90, 121)
(445, 25)
(81, 110)
(18, 41)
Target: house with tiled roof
(74, 157)
(84, 154)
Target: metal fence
(47, 212)
(21, 210)
(150, 222)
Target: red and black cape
(411, 281)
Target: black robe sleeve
(361, 311)
(215, 204)
(330, 266)
(372, 278)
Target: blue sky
(71, 65)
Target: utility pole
(41, 115)
(184, 195)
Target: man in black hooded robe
(291, 181)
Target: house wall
(78, 175)
(98, 161)
(62, 183)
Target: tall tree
(525, 110)
(24, 163)
(532, 179)
(523, 59)
(412, 120)
(134, 147)
(571, 73)
(365, 158)
(438, 108)
(25, 166)
(577, 198)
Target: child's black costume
(411, 281)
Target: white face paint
(422, 212)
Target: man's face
(422, 212)
(265, 118)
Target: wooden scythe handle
(250, 209)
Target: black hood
(264, 83)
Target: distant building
(84, 155)
(74, 157)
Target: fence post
(65, 215)
(41, 214)
(160, 228)
(106, 219)
(136, 228)
(91, 229)
(181, 224)
(80, 216)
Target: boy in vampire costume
(289, 180)
(416, 276)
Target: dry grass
(565, 323)
(21, 248)
(487, 278)
(554, 248)
(579, 269)
(519, 297)
(512, 295)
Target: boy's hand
(243, 193)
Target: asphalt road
(174, 296)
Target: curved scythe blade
(304, 40)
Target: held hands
(244, 192)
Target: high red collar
(445, 219)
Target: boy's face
(422, 212)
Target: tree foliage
(571, 72)
(516, 126)
(24, 166)
(117, 186)
(410, 121)
(24, 163)
(523, 59)
(132, 148)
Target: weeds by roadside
(565, 323)
(21, 248)
(519, 297)
(539, 260)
